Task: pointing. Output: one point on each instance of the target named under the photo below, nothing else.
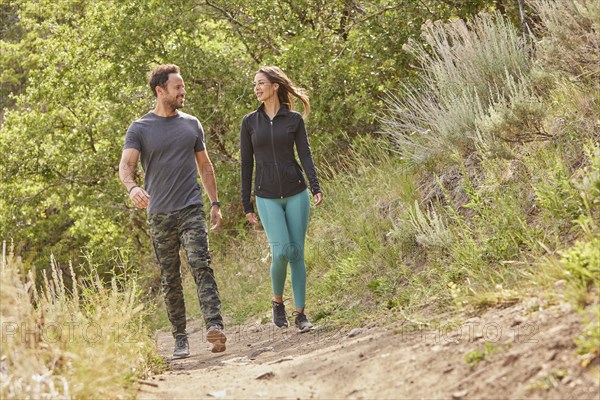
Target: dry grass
(83, 341)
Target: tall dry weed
(84, 341)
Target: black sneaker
(216, 336)
(302, 323)
(182, 347)
(279, 315)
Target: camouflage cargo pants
(185, 228)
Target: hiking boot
(182, 347)
(302, 323)
(279, 315)
(216, 336)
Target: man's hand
(139, 197)
(216, 219)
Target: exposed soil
(522, 353)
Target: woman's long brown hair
(286, 88)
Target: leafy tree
(74, 78)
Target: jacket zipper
(275, 158)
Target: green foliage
(512, 145)
(73, 79)
(551, 379)
(476, 356)
(588, 344)
(346, 54)
(475, 83)
(555, 192)
(582, 263)
(507, 167)
(510, 134)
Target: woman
(267, 138)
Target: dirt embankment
(514, 353)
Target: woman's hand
(318, 198)
(251, 217)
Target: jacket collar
(283, 109)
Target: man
(170, 144)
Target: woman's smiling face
(263, 89)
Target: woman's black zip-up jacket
(271, 144)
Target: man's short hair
(159, 76)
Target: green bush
(582, 263)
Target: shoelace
(301, 317)
(279, 307)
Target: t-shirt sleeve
(132, 138)
(199, 146)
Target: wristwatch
(215, 203)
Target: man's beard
(175, 104)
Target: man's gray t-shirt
(168, 147)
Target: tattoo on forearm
(127, 172)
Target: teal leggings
(285, 221)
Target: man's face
(173, 95)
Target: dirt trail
(524, 354)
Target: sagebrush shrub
(471, 73)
